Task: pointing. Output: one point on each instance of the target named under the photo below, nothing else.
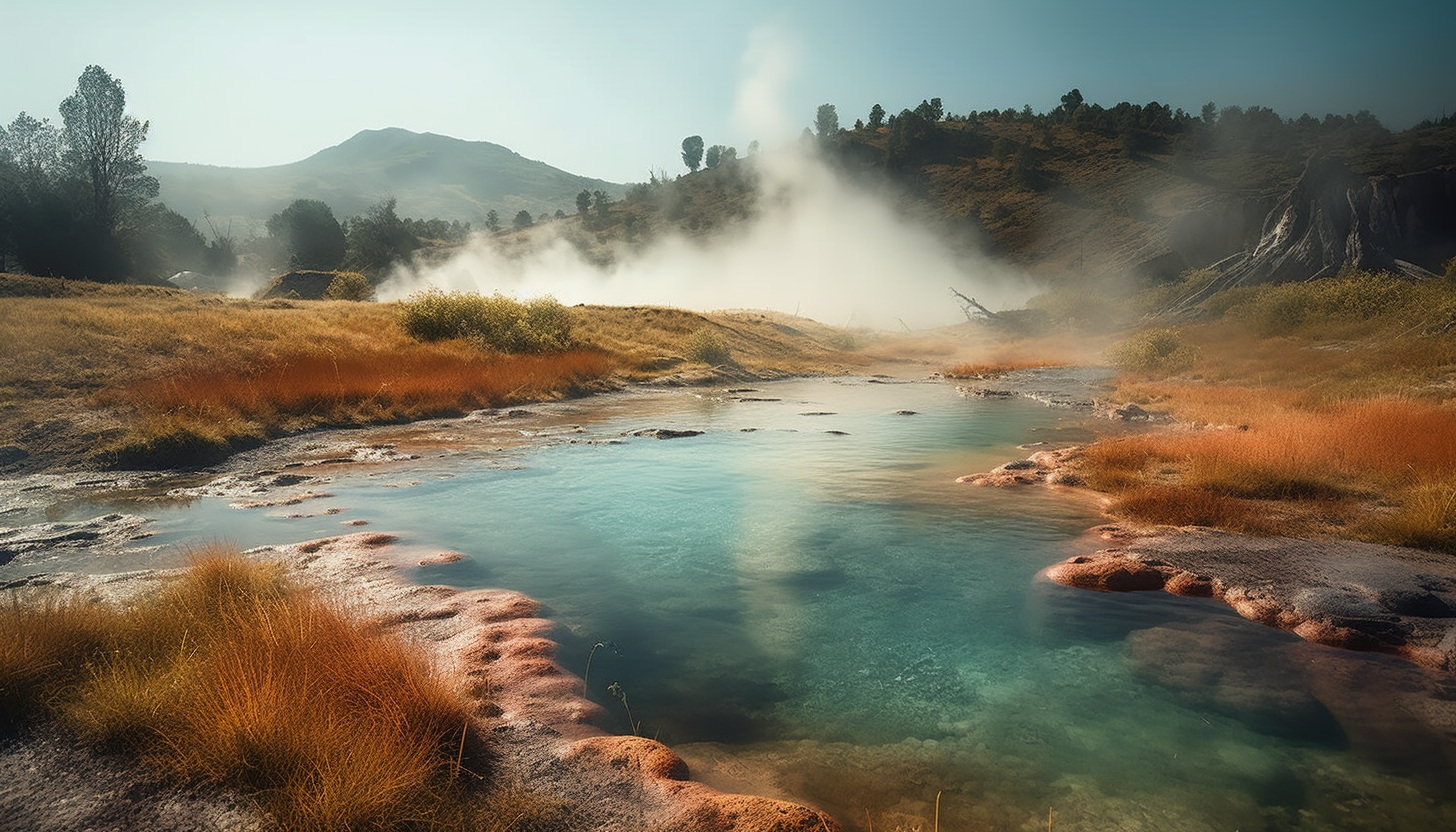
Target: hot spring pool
(802, 602)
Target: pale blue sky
(609, 89)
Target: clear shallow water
(829, 617)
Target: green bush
(349, 286)
(495, 322)
(1358, 296)
(1153, 351)
(706, 347)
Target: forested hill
(429, 175)
(1081, 191)
(1140, 189)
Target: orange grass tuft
(332, 387)
(991, 369)
(232, 675)
(202, 410)
(1318, 457)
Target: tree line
(76, 201)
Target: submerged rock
(1226, 669)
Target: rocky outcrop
(1359, 596)
(1333, 220)
(1042, 467)
(109, 533)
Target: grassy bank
(1321, 408)
(148, 377)
(232, 675)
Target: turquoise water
(803, 603)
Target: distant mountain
(430, 176)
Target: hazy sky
(609, 89)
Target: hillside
(430, 176)
(1078, 197)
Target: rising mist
(818, 246)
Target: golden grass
(149, 377)
(1335, 426)
(232, 675)
(992, 368)
(225, 404)
(642, 336)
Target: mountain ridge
(429, 175)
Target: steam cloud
(818, 246)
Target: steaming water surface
(803, 603)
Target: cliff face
(1333, 220)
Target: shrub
(1289, 307)
(1153, 351)
(48, 640)
(349, 286)
(1424, 518)
(232, 675)
(1173, 295)
(706, 347)
(495, 322)
(1089, 308)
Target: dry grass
(146, 377)
(1336, 424)
(993, 368)
(232, 675)
(1382, 470)
(205, 405)
(642, 337)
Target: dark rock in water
(1073, 388)
(666, 433)
(905, 413)
(837, 432)
(1358, 596)
(986, 393)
